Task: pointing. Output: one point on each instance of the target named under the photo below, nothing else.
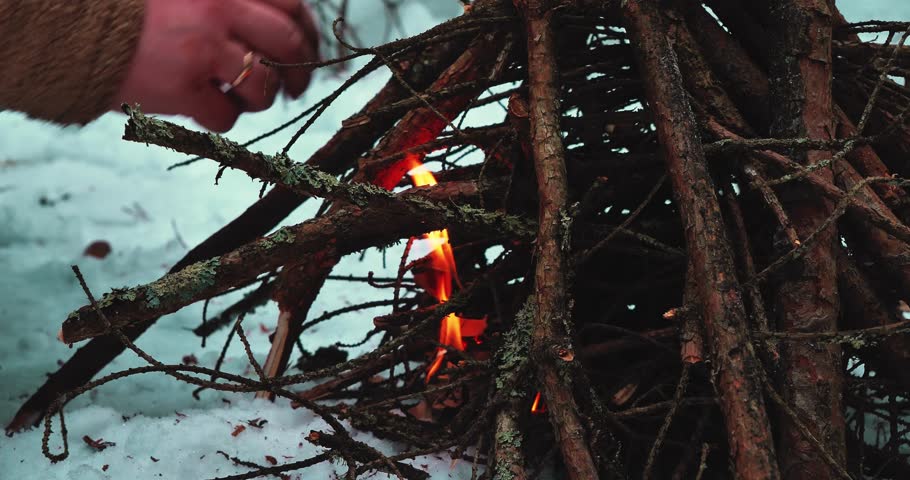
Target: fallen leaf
(97, 249)
(257, 422)
(99, 444)
(237, 430)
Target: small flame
(438, 281)
(420, 175)
(538, 406)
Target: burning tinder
(437, 278)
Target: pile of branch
(704, 235)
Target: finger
(269, 30)
(257, 91)
(266, 29)
(300, 12)
(212, 109)
(291, 7)
(297, 79)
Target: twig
(395, 73)
(883, 77)
(278, 469)
(668, 419)
(247, 304)
(818, 233)
(407, 215)
(826, 188)
(586, 255)
(859, 337)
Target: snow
(185, 444)
(62, 188)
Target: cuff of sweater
(73, 56)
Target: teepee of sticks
(704, 231)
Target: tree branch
(549, 335)
(406, 214)
(719, 293)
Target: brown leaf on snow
(257, 422)
(99, 444)
(97, 249)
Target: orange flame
(441, 272)
(538, 406)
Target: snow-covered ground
(63, 188)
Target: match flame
(441, 273)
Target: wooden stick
(801, 106)
(704, 85)
(719, 293)
(549, 338)
(347, 231)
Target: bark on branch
(811, 378)
(410, 213)
(549, 337)
(719, 293)
(299, 178)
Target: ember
(538, 406)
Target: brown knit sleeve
(63, 60)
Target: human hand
(189, 48)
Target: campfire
(679, 252)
